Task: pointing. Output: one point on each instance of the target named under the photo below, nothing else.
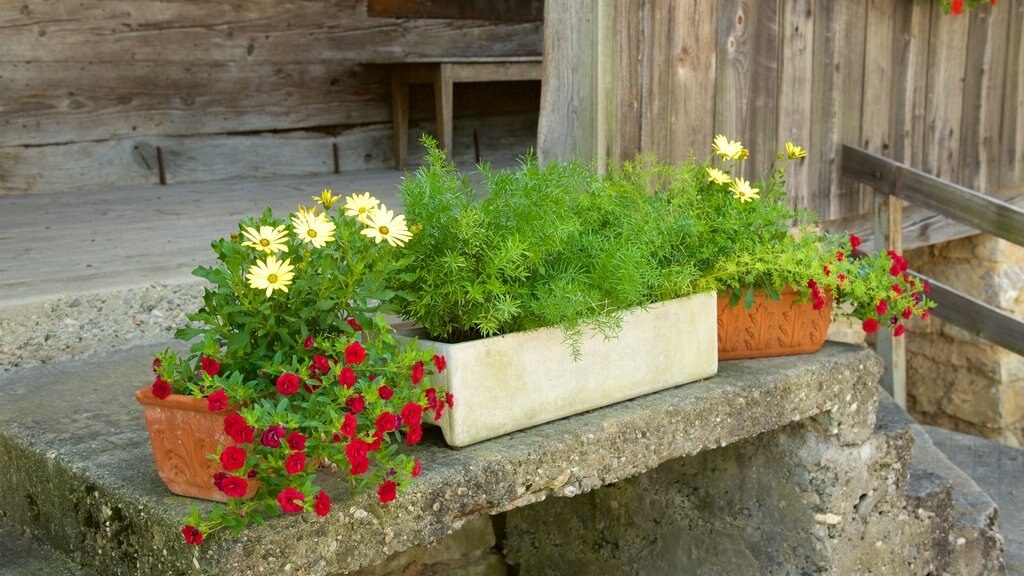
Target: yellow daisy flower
(326, 198)
(266, 239)
(313, 227)
(729, 149)
(794, 151)
(742, 190)
(360, 206)
(272, 274)
(718, 177)
(382, 224)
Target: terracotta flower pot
(183, 433)
(771, 327)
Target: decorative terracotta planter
(183, 433)
(771, 327)
(514, 381)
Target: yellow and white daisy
(743, 191)
(728, 149)
(794, 151)
(313, 227)
(382, 224)
(718, 177)
(266, 239)
(360, 206)
(272, 274)
(326, 198)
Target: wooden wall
(225, 88)
(944, 93)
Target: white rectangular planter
(514, 381)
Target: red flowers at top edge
(355, 353)
(217, 401)
(161, 389)
(209, 365)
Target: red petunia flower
(414, 435)
(295, 463)
(896, 288)
(209, 365)
(907, 313)
(440, 363)
(870, 325)
(217, 401)
(356, 452)
(956, 7)
(192, 535)
(288, 383)
(296, 440)
(854, 242)
(417, 372)
(354, 353)
(416, 467)
(271, 437)
(356, 404)
(232, 458)
(899, 331)
(236, 427)
(354, 324)
(157, 363)
(386, 422)
(386, 492)
(308, 343)
(291, 500)
(385, 392)
(412, 414)
(321, 504)
(234, 486)
(348, 426)
(881, 307)
(347, 377)
(321, 364)
(161, 389)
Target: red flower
(234, 486)
(386, 422)
(439, 363)
(291, 500)
(347, 377)
(907, 313)
(157, 363)
(431, 398)
(896, 288)
(841, 278)
(356, 451)
(414, 435)
(854, 242)
(192, 535)
(288, 383)
(840, 256)
(881, 307)
(321, 504)
(209, 365)
(354, 324)
(161, 389)
(356, 404)
(827, 271)
(956, 7)
(926, 287)
(348, 426)
(236, 427)
(415, 467)
(378, 437)
(354, 353)
(870, 325)
(900, 330)
(217, 401)
(308, 342)
(449, 399)
(386, 492)
(321, 364)
(295, 463)
(385, 392)
(232, 458)
(271, 437)
(296, 441)
(417, 372)
(412, 414)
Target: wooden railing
(893, 183)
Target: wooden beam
(985, 213)
(889, 232)
(977, 317)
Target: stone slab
(76, 469)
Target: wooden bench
(443, 73)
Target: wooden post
(888, 224)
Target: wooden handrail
(977, 317)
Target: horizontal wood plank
(977, 317)
(985, 213)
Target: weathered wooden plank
(503, 10)
(911, 29)
(977, 317)
(746, 79)
(655, 77)
(692, 114)
(985, 213)
(852, 45)
(1011, 137)
(627, 80)
(984, 78)
(877, 105)
(796, 68)
(888, 232)
(947, 57)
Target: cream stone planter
(514, 381)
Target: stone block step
(22, 556)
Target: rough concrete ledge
(76, 468)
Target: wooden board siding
(1011, 136)
(796, 71)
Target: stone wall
(958, 381)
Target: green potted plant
(788, 279)
(551, 291)
(293, 365)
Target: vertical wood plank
(567, 124)
(628, 40)
(746, 79)
(947, 57)
(1011, 137)
(692, 114)
(911, 32)
(796, 65)
(888, 225)
(851, 58)
(876, 108)
(983, 99)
